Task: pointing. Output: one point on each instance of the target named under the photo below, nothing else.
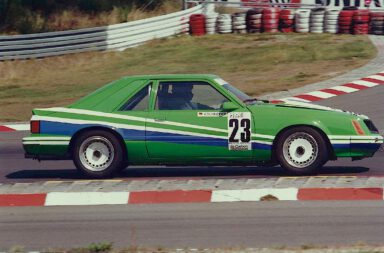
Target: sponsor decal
(211, 114)
(239, 131)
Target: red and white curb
(14, 127)
(354, 86)
(192, 196)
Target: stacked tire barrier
(197, 24)
(270, 20)
(302, 21)
(254, 20)
(345, 21)
(239, 22)
(224, 23)
(112, 37)
(330, 21)
(361, 21)
(210, 22)
(287, 21)
(377, 23)
(317, 21)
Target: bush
(26, 16)
(95, 6)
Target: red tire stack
(270, 20)
(197, 24)
(345, 21)
(287, 21)
(361, 21)
(377, 23)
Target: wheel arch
(101, 128)
(331, 153)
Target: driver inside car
(181, 97)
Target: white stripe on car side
(46, 142)
(354, 137)
(32, 138)
(124, 126)
(262, 142)
(111, 115)
(119, 116)
(127, 126)
(264, 136)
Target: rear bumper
(46, 148)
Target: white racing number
(239, 131)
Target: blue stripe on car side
(185, 139)
(261, 146)
(48, 127)
(369, 146)
(341, 145)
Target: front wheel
(98, 154)
(301, 150)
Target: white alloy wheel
(300, 150)
(96, 153)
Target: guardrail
(112, 37)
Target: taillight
(35, 126)
(356, 125)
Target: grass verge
(257, 64)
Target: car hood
(310, 106)
(297, 104)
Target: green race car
(194, 120)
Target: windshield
(238, 93)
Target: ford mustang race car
(194, 120)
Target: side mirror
(229, 106)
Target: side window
(139, 102)
(188, 96)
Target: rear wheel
(301, 150)
(98, 154)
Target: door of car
(131, 116)
(188, 122)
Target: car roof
(172, 76)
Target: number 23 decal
(245, 131)
(239, 127)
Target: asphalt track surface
(14, 168)
(255, 224)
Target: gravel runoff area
(374, 66)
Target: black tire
(98, 154)
(301, 150)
